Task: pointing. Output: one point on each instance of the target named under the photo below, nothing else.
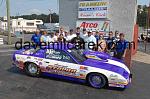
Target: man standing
(84, 34)
(36, 37)
(78, 30)
(110, 41)
(90, 41)
(117, 35)
(121, 47)
(97, 36)
(78, 41)
(111, 44)
(53, 37)
(72, 35)
(62, 31)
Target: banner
(93, 9)
(102, 26)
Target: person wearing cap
(121, 46)
(78, 41)
(90, 41)
(84, 33)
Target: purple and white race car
(95, 68)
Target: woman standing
(102, 46)
(44, 37)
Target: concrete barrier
(1, 41)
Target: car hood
(110, 65)
(101, 55)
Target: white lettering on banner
(94, 25)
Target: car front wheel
(97, 80)
(32, 70)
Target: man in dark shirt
(111, 44)
(78, 41)
(110, 41)
(36, 37)
(121, 47)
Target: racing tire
(32, 70)
(97, 80)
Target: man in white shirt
(90, 41)
(83, 34)
(53, 38)
(72, 35)
(61, 31)
(67, 36)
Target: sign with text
(102, 26)
(93, 9)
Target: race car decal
(61, 68)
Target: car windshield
(78, 55)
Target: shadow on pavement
(21, 72)
(16, 70)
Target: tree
(142, 12)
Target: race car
(95, 68)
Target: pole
(8, 20)
(148, 16)
(148, 20)
(50, 19)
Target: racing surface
(14, 84)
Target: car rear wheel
(97, 80)
(32, 70)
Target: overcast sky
(19, 7)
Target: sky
(22, 7)
(143, 2)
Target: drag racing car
(95, 68)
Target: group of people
(113, 44)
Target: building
(109, 15)
(21, 24)
(3, 25)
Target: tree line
(142, 15)
(44, 17)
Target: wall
(122, 14)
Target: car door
(61, 63)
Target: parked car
(95, 68)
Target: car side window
(58, 55)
